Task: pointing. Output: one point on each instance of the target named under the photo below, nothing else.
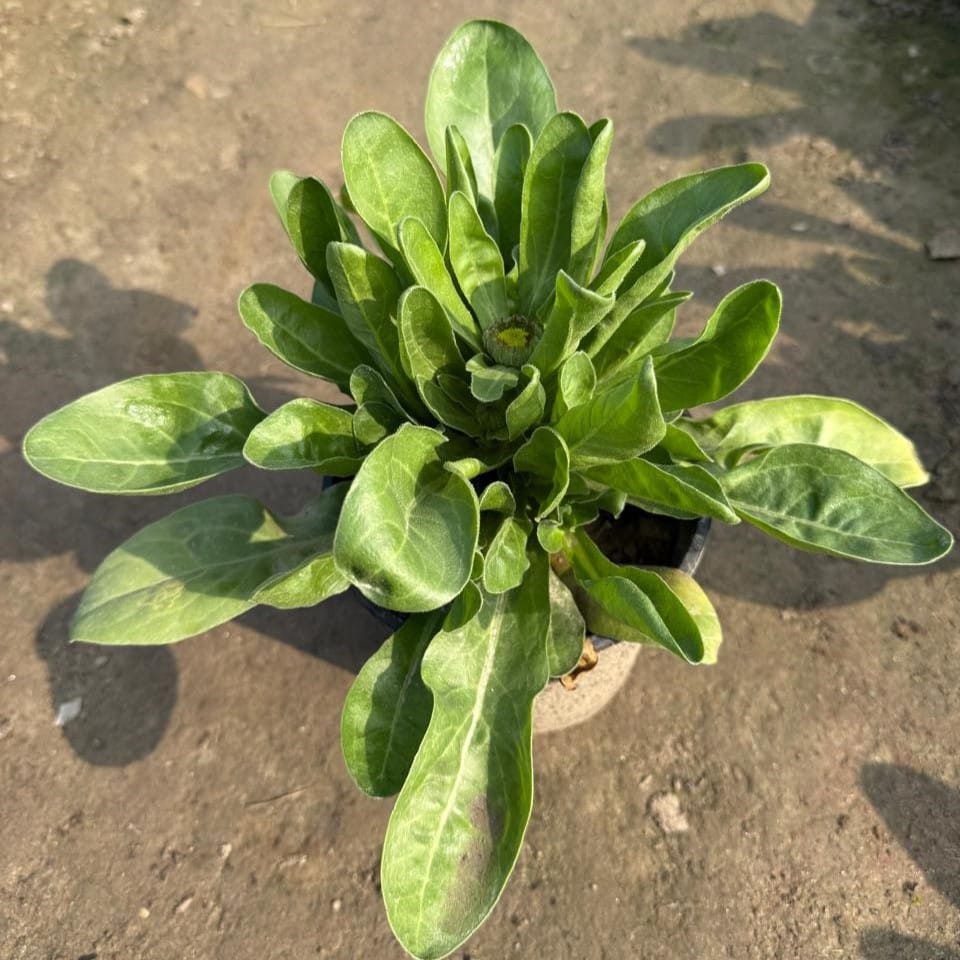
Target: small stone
(225, 850)
(665, 810)
(336, 905)
(913, 51)
(143, 913)
(944, 245)
(197, 85)
(184, 905)
(801, 226)
(7, 306)
(594, 887)
(718, 270)
(68, 711)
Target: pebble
(665, 810)
(944, 245)
(68, 711)
(184, 905)
(801, 226)
(336, 905)
(143, 913)
(718, 270)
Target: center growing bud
(510, 341)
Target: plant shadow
(923, 813)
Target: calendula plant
(511, 378)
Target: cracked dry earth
(799, 800)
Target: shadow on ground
(924, 815)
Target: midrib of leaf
(483, 684)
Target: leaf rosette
(508, 373)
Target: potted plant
(512, 380)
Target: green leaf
(616, 268)
(308, 338)
(458, 824)
(677, 491)
(698, 606)
(486, 78)
(429, 347)
(459, 166)
(647, 327)
(498, 497)
(506, 559)
(451, 405)
(388, 708)
(429, 270)
(526, 408)
(619, 423)
(731, 433)
(575, 384)
(306, 433)
(408, 528)
(310, 217)
(576, 311)
(567, 629)
(316, 578)
(826, 500)
(589, 221)
(389, 177)
(680, 445)
(477, 262)
(546, 458)
(671, 217)
(193, 570)
(368, 291)
(734, 341)
(551, 536)
(510, 164)
(373, 421)
(549, 195)
(631, 603)
(158, 433)
(368, 386)
(488, 382)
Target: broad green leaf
(698, 605)
(734, 341)
(731, 433)
(510, 164)
(458, 824)
(368, 291)
(307, 337)
(193, 570)
(448, 404)
(429, 270)
(316, 578)
(489, 381)
(386, 712)
(506, 559)
(157, 433)
(498, 497)
(647, 327)
(671, 217)
(310, 217)
(616, 267)
(306, 433)
(826, 500)
(576, 311)
(374, 420)
(549, 195)
(477, 262)
(546, 458)
(459, 166)
(677, 491)
(368, 386)
(389, 177)
(408, 528)
(680, 445)
(486, 78)
(527, 407)
(633, 604)
(429, 347)
(619, 423)
(581, 510)
(575, 384)
(551, 536)
(567, 629)
(589, 220)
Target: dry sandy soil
(198, 807)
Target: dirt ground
(799, 800)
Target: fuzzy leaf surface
(408, 528)
(158, 433)
(459, 821)
(477, 262)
